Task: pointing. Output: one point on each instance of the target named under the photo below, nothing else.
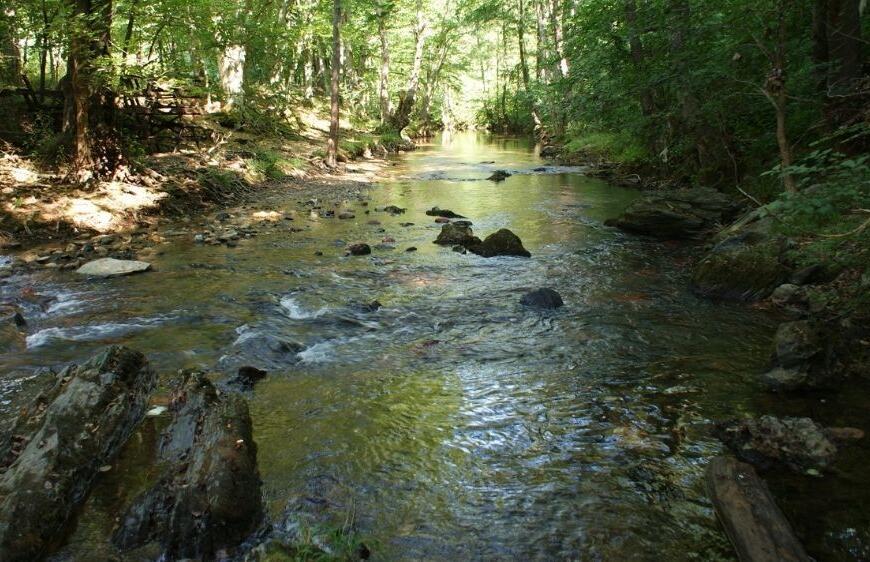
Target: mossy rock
(741, 270)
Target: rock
(442, 220)
(406, 224)
(781, 379)
(463, 223)
(455, 234)
(499, 175)
(678, 214)
(393, 210)
(383, 247)
(346, 215)
(445, 213)
(541, 169)
(746, 263)
(263, 351)
(368, 307)
(501, 243)
(787, 294)
(199, 238)
(797, 443)
(549, 151)
(411, 249)
(52, 455)
(810, 275)
(359, 249)
(797, 343)
(459, 250)
(110, 267)
(207, 500)
(542, 298)
(19, 320)
(247, 376)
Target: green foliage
(617, 147)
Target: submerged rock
(549, 151)
(50, 458)
(501, 243)
(262, 351)
(499, 175)
(797, 443)
(444, 213)
(393, 210)
(247, 376)
(678, 214)
(359, 249)
(453, 234)
(207, 500)
(110, 267)
(542, 298)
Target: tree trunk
(89, 104)
(401, 118)
(524, 65)
(558, 37)
(384, 74)
(775, 90)
(635, 47)
(844, 43)
(10, 58)
(332, 143)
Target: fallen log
(54, 452)
(757, 528)
(208, 498)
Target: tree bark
(89, 103)
(332, 143)
(636, 51)
(401, 117)
(10, 57)
(384, 74)
(558, 37)
(844, 43)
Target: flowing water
(452, 423)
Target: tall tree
(332, 142)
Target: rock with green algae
(56, 449)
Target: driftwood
(757, 528)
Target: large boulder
(110, 267)
(255, 348)
(747, 262)
(797, 443)
(207, 500)
(456, 234)
(678, 214)
(501, 243)
(53, 454)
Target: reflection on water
(461, 425)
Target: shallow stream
(453, 423)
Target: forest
(642, 330)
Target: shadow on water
(463, 425)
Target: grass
(613, 146)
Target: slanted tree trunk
(401, 117)
(332, 142)
(89, 103)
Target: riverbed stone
(501, 243)
(455, 234)
(51, 457)
(207, 500)
(444, 213)
(676, 214)
(359, 249)
(797, 443)
(111, 267)
(542, 298)
(499, 176)
(797, 343)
